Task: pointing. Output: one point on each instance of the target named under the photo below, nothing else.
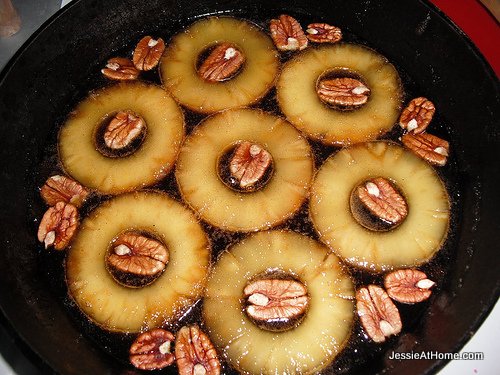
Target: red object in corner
(479, 25)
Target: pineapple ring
(178, 67)
(419, 236)
(148, 164)
(297, 97)
(307, 348)
(200, 185)
(119, 308)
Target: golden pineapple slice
(414, 241)
(178, 67)
(299, 101)
(150, 162)
(304, 349)
(222, 206)
(116, 307)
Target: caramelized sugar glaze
(358, 346)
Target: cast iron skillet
(61, 63)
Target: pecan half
(120, 68)
(222, 63)
(287, 34)
(343, 92)
(429, 147)
(276, 299)
(58, 225)
(249, 163)
(383, 200)
(417, 115)
(123, 129)
(136, 254)
(323, 33)
(408, 286)
(151, 350)
(148, 52)
(378, 314)
(195, 353)
(63, 189)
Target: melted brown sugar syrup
(359, 349)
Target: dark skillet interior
(58, 67)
